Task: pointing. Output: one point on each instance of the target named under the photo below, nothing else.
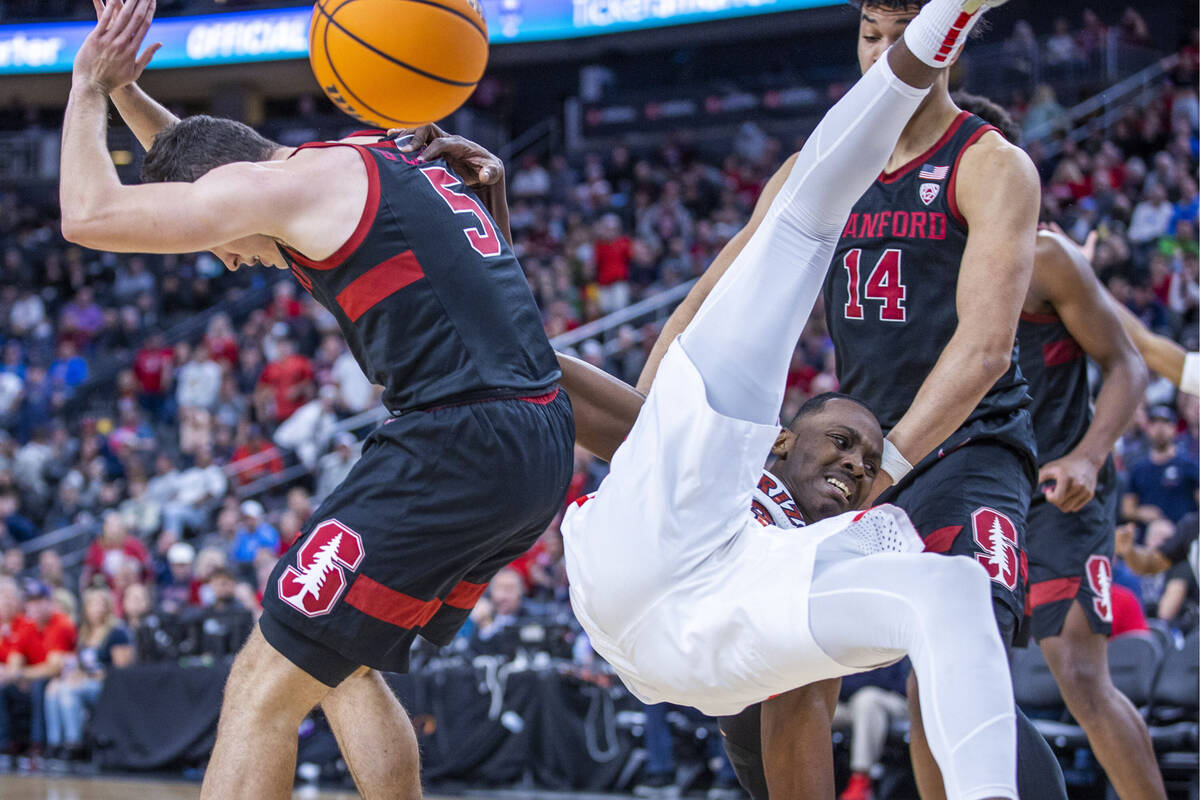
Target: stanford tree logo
(319, 578)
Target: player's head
(829, 456)
(881, 23)
(192, 147)
(989, 112)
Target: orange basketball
(398, 63)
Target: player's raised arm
(687, 309)
(1163, 356)
(999, 196)
(1065, 280)
(605, 408)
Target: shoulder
(992, 159)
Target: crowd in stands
(198, 459)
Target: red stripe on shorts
(1052, 591)
(1063, 351)
(465, 595)
(542, 399)
(376, 600)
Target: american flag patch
(931, 173)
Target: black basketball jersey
(1056, 368)
(890, 292)
(431, 300)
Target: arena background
(167, 425)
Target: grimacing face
(250, 251)
(833, 459)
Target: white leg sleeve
(742, 338)
(938, 610)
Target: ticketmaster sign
(245, 36)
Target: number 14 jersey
(890, 291)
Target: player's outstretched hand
(1070, 482)
(1123, 543)
(474, 162)
(108, 58)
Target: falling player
(922, 302)
(467, 473)
(696, 601)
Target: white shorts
(688, 596)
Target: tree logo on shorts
(318, 579)
(997, 535)
(1099, 575)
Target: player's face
(878, 29)
(250, 251)
(834, 459)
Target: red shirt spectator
(113, 544)
(289, 379)
(251, 442)
(612, 252)
(1127, 611)
(152, 365)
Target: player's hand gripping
(108, 58)
(473, 162)
(1070, 482)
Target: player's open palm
(473, 162)
(108, 58)
(1070, 482)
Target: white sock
(938, 33)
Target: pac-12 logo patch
(319, 578)
(997, 535)
(1099, 575)
(929, 192)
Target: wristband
(894, 462)
(1190, 380)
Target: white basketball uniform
(691, 598)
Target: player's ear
(783, 443)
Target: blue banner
(247, 36)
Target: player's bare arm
(1163, 356)
(1141, 559)
(797, 758)
(999, 196)
(605, 407)
(686, 310)
(1064, 282)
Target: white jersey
(686, 567)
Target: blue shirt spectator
(254, 534)
(1165, 484)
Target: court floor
(43, 787)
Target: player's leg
(1078, 657)
(868, 611)
(741, 338)
(376, 737)
(266, 698)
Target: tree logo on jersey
(1099, 575)
(319, 578)
(997, 535)
(929, 192)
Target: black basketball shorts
(1070, 559)
(439, 502)
(972, 501)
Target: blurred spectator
(868, 703)
(285, 383)
(153, 368)
(43, 639)
(253, 534)
(191, 493)
(611, 254)
(178, 589)
(1163, 485)
(50, 569)
(335, 465)
(495, 620)
(1060, 47)
(198, 381)
(110, 550)
(104, 643)
(309, 430)
(254, 456)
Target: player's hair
(990, 112)
(187, 149)
(890, 5)
(817, 402)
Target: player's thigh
(264, 686)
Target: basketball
(398, 63)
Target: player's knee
(1084, 684)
